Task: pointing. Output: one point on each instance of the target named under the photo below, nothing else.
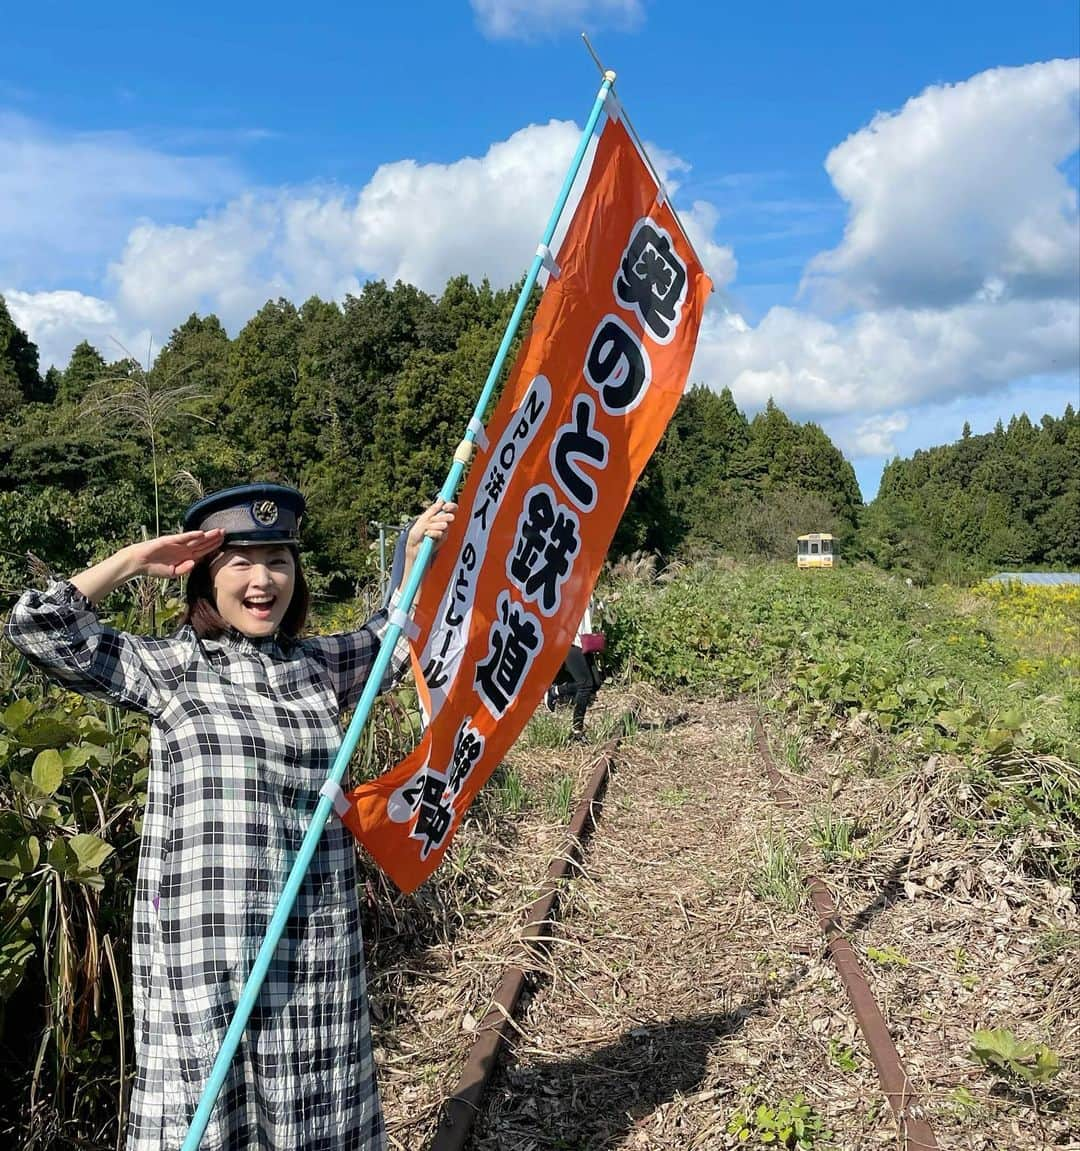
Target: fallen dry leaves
(671, 990)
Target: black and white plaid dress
(242, 737)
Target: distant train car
(815, 550)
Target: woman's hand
(170, 556)
(164, 558)
(433, 523)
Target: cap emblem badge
(265, 512)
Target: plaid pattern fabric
(243, 735)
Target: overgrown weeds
(72, 793)
(836, 837)
(561, 797)
(776, 874)
(989, 677)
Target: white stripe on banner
(441, 656)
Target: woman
(245, 725)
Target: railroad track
(495, 1029)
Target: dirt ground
(681, 990)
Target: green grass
(560, 798)
(1058, 941)
(793, 755)
(676, 796)
(843, 1056)
(611, 724)
(835, 838)
(887, 956)
(776, 875)
(544, 730)
(988, 675)
(506, 790)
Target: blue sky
(885, 194)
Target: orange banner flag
(593, 387)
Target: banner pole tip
(609, 75)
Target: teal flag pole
(274, 932)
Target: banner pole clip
(479, 434)
(406, 623)
(553, 269)
(332, 790)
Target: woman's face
(253, 587)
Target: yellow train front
(815, 550)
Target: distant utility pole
(382, 526)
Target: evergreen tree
(84, 369)
(719, 483)
(11, 396)
(198, 353)
(688, 485)
(362, 405)
(50, 385)
(20, 380)
(1007, 499)
(260, 391)
(321, 380)
(382, 328)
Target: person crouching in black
(583, 679)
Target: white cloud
(57, 321)
(717, 259)
(1001, 309)
(875, 436)
(221, 263)
(426, 222)
(421, 223)
(667, 165)
(962, 249)
(885, 360)
(960, 192)
(66, 202)
(528, 19)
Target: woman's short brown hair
(203, 618)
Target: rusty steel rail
(461, 1107)
(915, 1131)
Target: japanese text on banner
(589, 396)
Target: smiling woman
(255, 584)
(245, 716)
(255, 588)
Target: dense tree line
(1009, 499)
(721, 483)
(361, 404)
